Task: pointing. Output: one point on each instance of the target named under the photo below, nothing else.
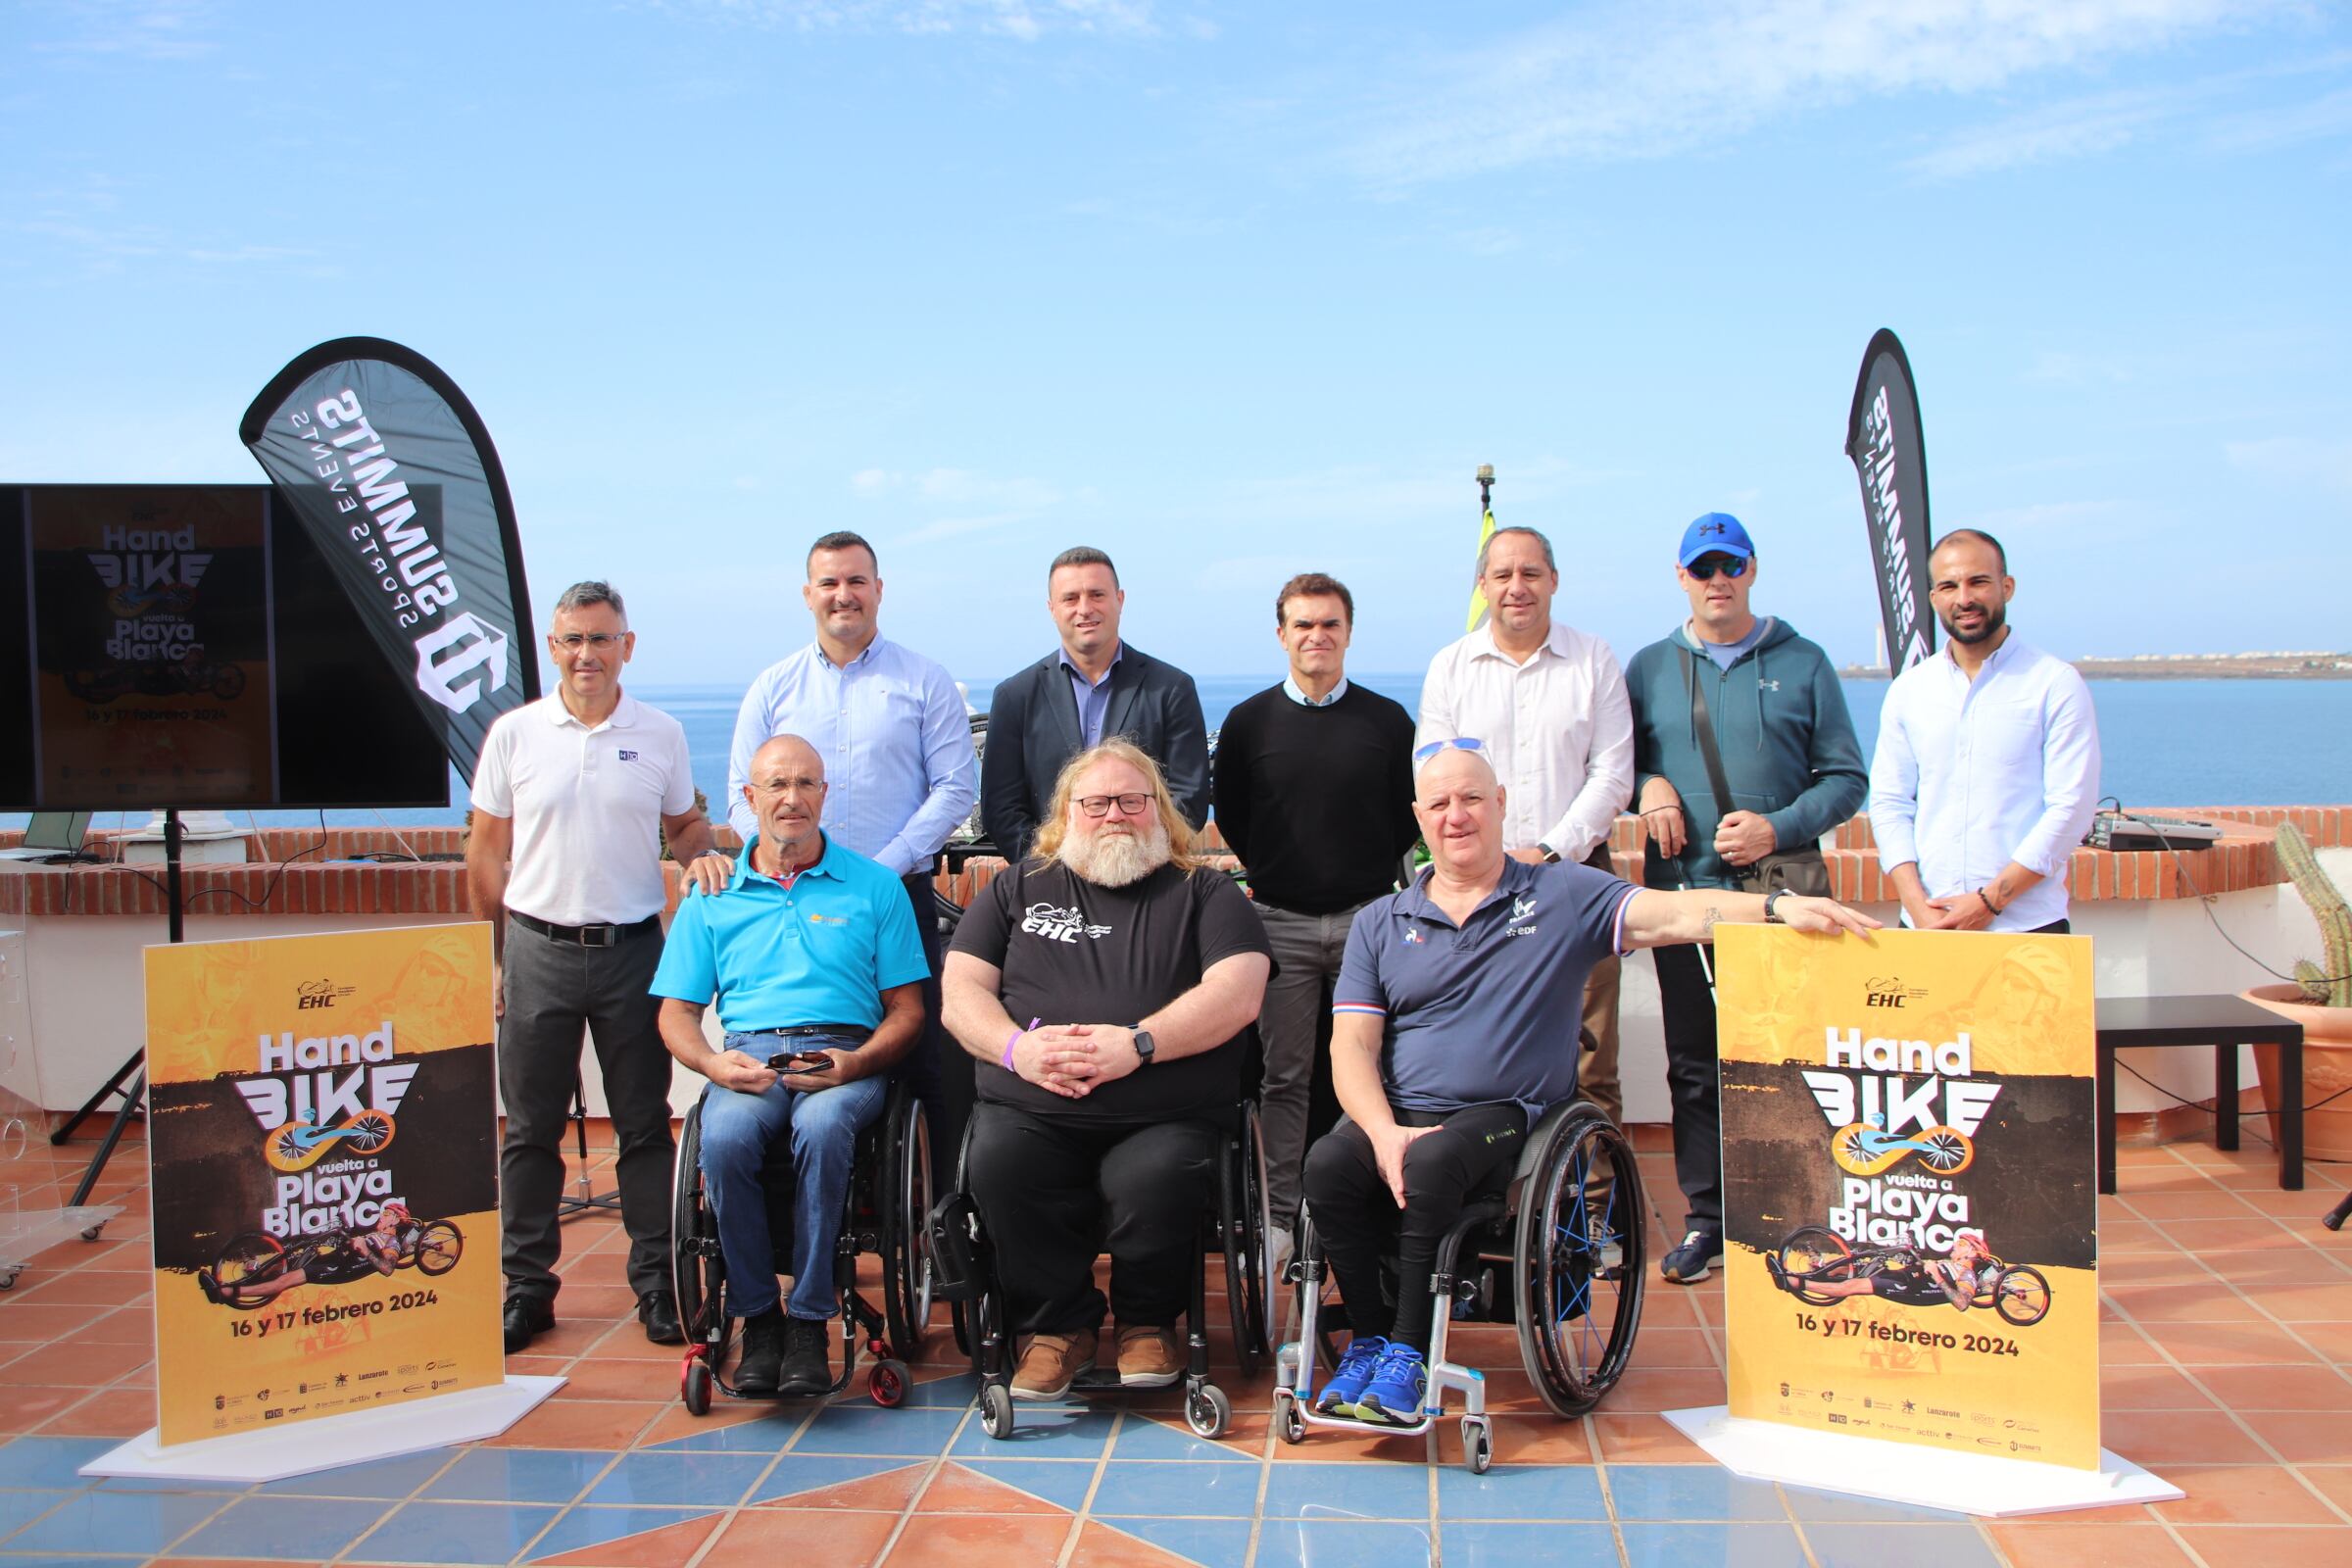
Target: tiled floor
(2228, 1349)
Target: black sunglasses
(1707, 565)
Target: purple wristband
(1008, 1045)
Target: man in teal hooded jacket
(1793, 770)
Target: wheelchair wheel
(248, 1261)
(1808, 1252)
(1246, 1226)
(960, 1317)
(2020, 1296)
(697, 1272)
(995, 1411)
(1577, 1253)
(905, 1202)
(437, 1248)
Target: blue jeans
(737, 1130)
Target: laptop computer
(52, 837)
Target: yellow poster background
(356, 1338)
(1862, 1365)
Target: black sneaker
(526, 1317)
(1700, 1252)
(763, 1364)
(657, 1310)
(807, 1370)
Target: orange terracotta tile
(2334, 1481)
(125, 1325)
(979, 1540)
(2122, 1344)
(806, 1540)
(2277, 1387)
(668, 1547)
(2181, 1304)
(2309, 1304)
(2149, 1388)
(2268, 1546)
(2333, 1341)
(25, 1318)
(1522, 1440)
(579, 1424)
(2164, 1207)
(90, 1287)
(958, 1490)
(113, 1413)
(1102, 1547)
(2157, 1438)
(1341, 1444)
(2242, 1494)
(677, 1421)
(1665, 1389)
(2225, 1343)
(888, 1492)
(2075, 1545)
(2305, 1437)
(32, 1405)
(1644, 1440)
(1677, 1347)
(597, 1377)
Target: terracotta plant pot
(2326, 1071)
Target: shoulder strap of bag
(1704, 724)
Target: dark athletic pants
(1357, 1218)
(1057, 1190)
(553, 989)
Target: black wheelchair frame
(966, 1278)
(1571, 1229)
(888, 1200)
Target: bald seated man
(812, 954)
(1469, 986)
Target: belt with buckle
(587, 936)
(796, 1029)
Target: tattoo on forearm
(1713, 915)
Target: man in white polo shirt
(1986, 771)
(577, 788)
(1548, 704)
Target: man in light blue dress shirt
(1986, 771)
(897, 743)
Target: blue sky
(1232, 292)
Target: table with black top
(2224, 1023)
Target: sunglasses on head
(1459, 743)
(1707, 565)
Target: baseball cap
(1717, 530)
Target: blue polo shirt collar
(1414, 904)
(826, 863)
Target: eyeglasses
(1707, 565)
(1458, 743)
(1101, 805)
(600, 641)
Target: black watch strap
(1144, 1047)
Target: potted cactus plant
(2320, 999)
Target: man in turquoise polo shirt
(811, 951)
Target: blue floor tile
(1524, 1545)
(518, 1475)
(454, 1533)
(1346, 1492)
(313, 1529)
(1211, 1542)
(1141, 1438)
(585, 1526)
(379, 1478)
(1156, 1487)
(1060, 1482)
(944, 1393)
(681, 1480)
(1521, 1491)
(66, 1562)
(219, 1489)
(797, 1473)
(1748, 1546)
(869, 1430)
(139, 1521)
(1300, 1543)
(50, 1462)
(1040, 1432)
(1835, 1506)
(1844, 1546)
(21, 1508)
(767, 1434)
(1692, 1491)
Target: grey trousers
(553, 988)
(1307, 949)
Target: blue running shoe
(1346, 1385)
(1392, 1398)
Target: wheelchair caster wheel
(8, 1282)
(995, 1411)
(886, 1384)
(1208, 1412)
(693, 1386)
(1288, 1420)
(1478, 1446)
(91, 1234)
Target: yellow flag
(1478, 601)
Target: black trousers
(1057, 1190)
(1357, 1221)
(1692, 1080)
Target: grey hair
(595, 591)
(1549, 564)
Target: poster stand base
(1910, 1473)
(273, 1455)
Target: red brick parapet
(330, 880)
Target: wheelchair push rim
(1580, 1260)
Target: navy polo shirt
(822, 951)
(1488, 1010)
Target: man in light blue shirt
(812, 951)
(1986, 771)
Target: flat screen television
(184, 645)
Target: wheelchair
(888, 1197)
(1558, 1251)
(1239, 1232)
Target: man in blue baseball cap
(1744, 756)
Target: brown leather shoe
(1051, 1363)
(1148, 1358)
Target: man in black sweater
(1314, 791)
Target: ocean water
(2164, 742)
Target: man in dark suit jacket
(1086, 690)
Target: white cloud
(2294, 460)
(1631, 81)
(1024, 20)
(149, 29)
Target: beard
(1995, 617)
(1113, 859)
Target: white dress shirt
(1557, 729)
(1971, 775)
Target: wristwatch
(1144, 1046)
(1552, 856)
(1772, 898)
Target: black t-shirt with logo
(1074, 952)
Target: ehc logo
(1889, 991)
(1059, 925)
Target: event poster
(1910, 1203)
(152, 639)
(324, 1156)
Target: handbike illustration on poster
(1910, 1209)
(325, 1175)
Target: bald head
(1458, 805)
(1451, 766)
(787, 794)
(789, 754)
